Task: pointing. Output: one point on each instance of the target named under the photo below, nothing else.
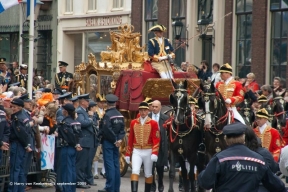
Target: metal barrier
(35, 168)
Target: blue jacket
(19, 128)
(59, 115)
(154, 47)
(112, 127)
(239, 169)
(88, 135)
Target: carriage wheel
(122, 150)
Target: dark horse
(246, 110)
(184, 138)
(276, 109)
(216, 117)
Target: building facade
(83, 27)
(249, 35)
(44, 37)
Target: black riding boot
(134, 186)
(180, 186)
(148, 184)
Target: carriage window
(178, 11)
(151, 16)
(278, 58)
(244, 26)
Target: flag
(28, 7)
(6, 4)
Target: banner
(47, 151)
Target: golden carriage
(121, 71)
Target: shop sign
(103, 21)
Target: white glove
(163, 58)
(127, 159)
(154, 158)
(228, 101)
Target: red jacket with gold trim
(271, 140)
(146, 136)
(233, 90)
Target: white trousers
(236, 114)
(140, 156)
(166, 75)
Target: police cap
(65, 96)
(62, 64)
(57, 91)
(69, 107)
(18, 102)
(23, 66)
(14, 84)
(111, 98)
(143, 105)
(92, 104)
(25, 98)
(2, 60)
(234, 129)
(46, 90)
(74, 99)
(84, 96)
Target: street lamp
(36, 10)
(177, 27)
(202, 25)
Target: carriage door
(207, 50)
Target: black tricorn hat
(226, 68)
(158, 28)
(143, 105)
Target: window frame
(239, 14)
(152, 21)
(71, 9)
(279, 38)
(94, 2)
(118, 8)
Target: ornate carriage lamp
(177, 28)
(205, 8)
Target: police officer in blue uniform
(63, 99)
(4, 132)
(69, 134)
(88, 144)
(112, 130)
(31, 132)
(20, 145)
(237, 168)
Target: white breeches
(236, 114)
(166, 75)
(140, 156)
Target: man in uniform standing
(63, 79)
(20, 146)
(100, 110)
(159, 51)
(231, 90)
(237, 168)
(143, 145)
(269, 136)
(88, 143)
(23, 76)
(112, 129)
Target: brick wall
(228, 29)
(163, 15)
(136, 15)
(258, 45)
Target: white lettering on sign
(103, 21)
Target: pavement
(125, 183)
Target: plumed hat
(226, 68)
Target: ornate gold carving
(151, 87)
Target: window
(69, 6)
(244, 26)
(178, 11)
(92, 5)
(278, 46)
(151, 15)
(117, 4)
